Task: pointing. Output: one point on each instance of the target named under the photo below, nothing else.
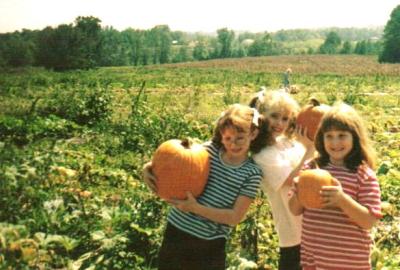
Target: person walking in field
(286, 79)
(338, 235)
(197, 229)
(280, 160)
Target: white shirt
(277, 162)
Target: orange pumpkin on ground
(311, 115)
(180, 166)
(309, 186)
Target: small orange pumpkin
(309, 186)
(311, 115)
(180, 166)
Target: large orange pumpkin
(309, 186)
(310, 116)
(180, 166)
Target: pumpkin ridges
(203, 171)
(310, 184)
(180, 169)
(311, 115)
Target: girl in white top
(280, 161)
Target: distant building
(247, 41)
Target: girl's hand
(295, 205)
(301, 135)
(332, 195)
(187, 205)
(293, 190)
(149, 178)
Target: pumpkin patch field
(73, 144)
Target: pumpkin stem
(314, 102)
(186, 142)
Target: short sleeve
(251, 186)
(369, 194)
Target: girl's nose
(335, 141)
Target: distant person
(197, 229)
(281, 160)
(286, 79)
(338, 235)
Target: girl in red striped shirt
(337, 236)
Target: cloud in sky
(200, 15)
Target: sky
(198, 16)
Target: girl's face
(338, 144)
(279, 122)
(236, 143)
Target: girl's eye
(285, 119)
(240, 140)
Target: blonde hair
(243, 119)
(344, 117)
(277, 101)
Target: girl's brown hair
(344, 117)
(243, 119)
(277, 101)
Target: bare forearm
(220, 215)
(224, 216)
(307, 155)
(295, 206)
(357, 212)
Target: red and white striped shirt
(330, 240)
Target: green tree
(113, 50)
(391, 38)
(262, 46)
(88, 31)
(59, 48)
(182, 54)
(18, 49)
(347, 48)
(69, 46)
(135, 40)
(225, 39)
(159, 42)
(200, 51)
(331, 44)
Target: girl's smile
(279, 122)
(338, 144)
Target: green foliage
(347, 48)
(83, 44)
(225, 38)
(85, 106)
(262, 46)
(70, 189)
(391, 38)
(200, 51)
(331, 44)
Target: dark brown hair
(344, 117)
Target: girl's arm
(333, 196)
(148, 177)
(225, 216)
(294, 204)
(302, 137)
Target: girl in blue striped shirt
(197, 228)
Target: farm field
(72, 146)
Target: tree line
(85, 44)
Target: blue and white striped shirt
(225, 183)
